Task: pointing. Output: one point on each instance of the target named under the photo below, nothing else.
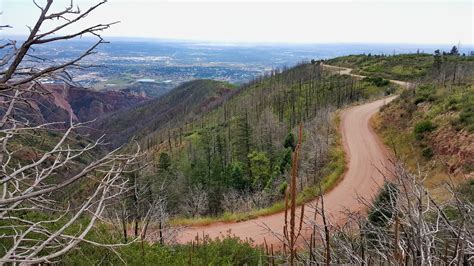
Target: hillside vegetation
(208, 150)
(431, 125)
(181, 104)
(409, 67)
(227, 250)
(234, 158)
(215, 151)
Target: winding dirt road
(347, 71)
(366, 163)
(365, 155)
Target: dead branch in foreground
(39, 219)
(405, 225)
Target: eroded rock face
(59, 103)
(88, 105)
(457, 146)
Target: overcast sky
(424, 22)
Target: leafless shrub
(196, 202)
(234, 201)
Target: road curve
(365, 159)
(348, 71)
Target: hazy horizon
(249, 43)
(273, 22)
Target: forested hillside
(235, 157)
(183, 103)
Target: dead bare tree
(196, 201)
(37, 219)
(292, 232)
(405, 225)
(234, 201)
(143, 204)
(315, 149)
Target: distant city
(152, 67)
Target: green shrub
(282, 187)
(382, 211)
(427, 152)
(419, 99)
(406, 95)
(224, 251)
(290, 141)
(452, 104)
(466, 189)
(390, 91)
(426, 93)
(466, 117)
(377, 81)
(261, 169)
(422, 127)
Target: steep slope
(89, 105)
(183, 103)
(57, 103)
(432, 129)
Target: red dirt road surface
(365, 156)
